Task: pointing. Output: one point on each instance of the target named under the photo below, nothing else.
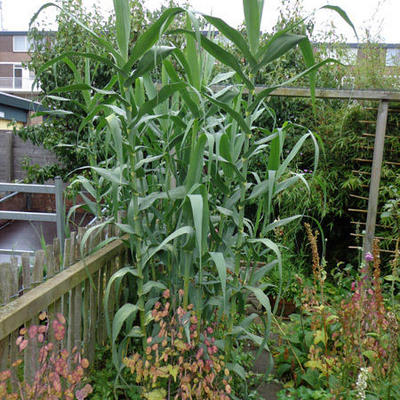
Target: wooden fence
(57, 283)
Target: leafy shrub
(347, 347)
(182, 360)
(60, 374)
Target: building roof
(13, 33)
(22, 33)
(17, 108)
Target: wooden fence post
(375, 175)
(5, 294)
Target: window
(350, 56)
(17, 76)
(392, 57)
(346, 55)
(21, 43)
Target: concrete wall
(13, 150)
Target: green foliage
(103, 375)
(338, 342)
(176, 175)
(62, 135)
(304, 393)
(182, 355)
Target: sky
(379, 16)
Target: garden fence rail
(59, 283)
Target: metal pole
(375, 175)
(60, 211)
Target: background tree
(61, 133)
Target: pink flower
(369, 257)
(32, 331)
(23, 344)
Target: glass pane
(392, 57)
(17, 78)
(20, 43)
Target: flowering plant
(349, 347)
(181, 360)
(59, 374)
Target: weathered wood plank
(358, 94)
(86, 314)
(38, 268)
(26, 272)
(14, 335)
(375, 175)
(5, 294)
(20, 310)
(94, 288)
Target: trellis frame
(384, 97)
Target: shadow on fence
(56, 283)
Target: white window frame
(15, 67)
(27, 44)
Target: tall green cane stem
(186, 278)
(240, 238)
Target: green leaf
(59, 113)
(196, 202)
(295, 150)
(156, 394)
(281, 222)
(234, 114)
(263, 299)
(272, 246)
(164, 93)
(220, 263)
(266, 92)
(274, 158)
(126, 228)
(289, 182)
(233, 35)
(392, 278)
(123, 26)
(185, 230)
(192, 57)
(343, 14)
(147, 63)
(112, 175)
(260, 273)
(253, 10)
(259, 189)
(308, 56)
(277, 46)
(184, 93)
(151, 35)
(223, 76)
(149, 285)
(114, 126)
(107, 45)
(220, 54)
(237, 369)
(195, 163)
(126, 311)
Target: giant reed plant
(176, 160)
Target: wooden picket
(53, 284)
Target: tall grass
(177, 162)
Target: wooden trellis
(383, 97)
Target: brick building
(14, 77)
